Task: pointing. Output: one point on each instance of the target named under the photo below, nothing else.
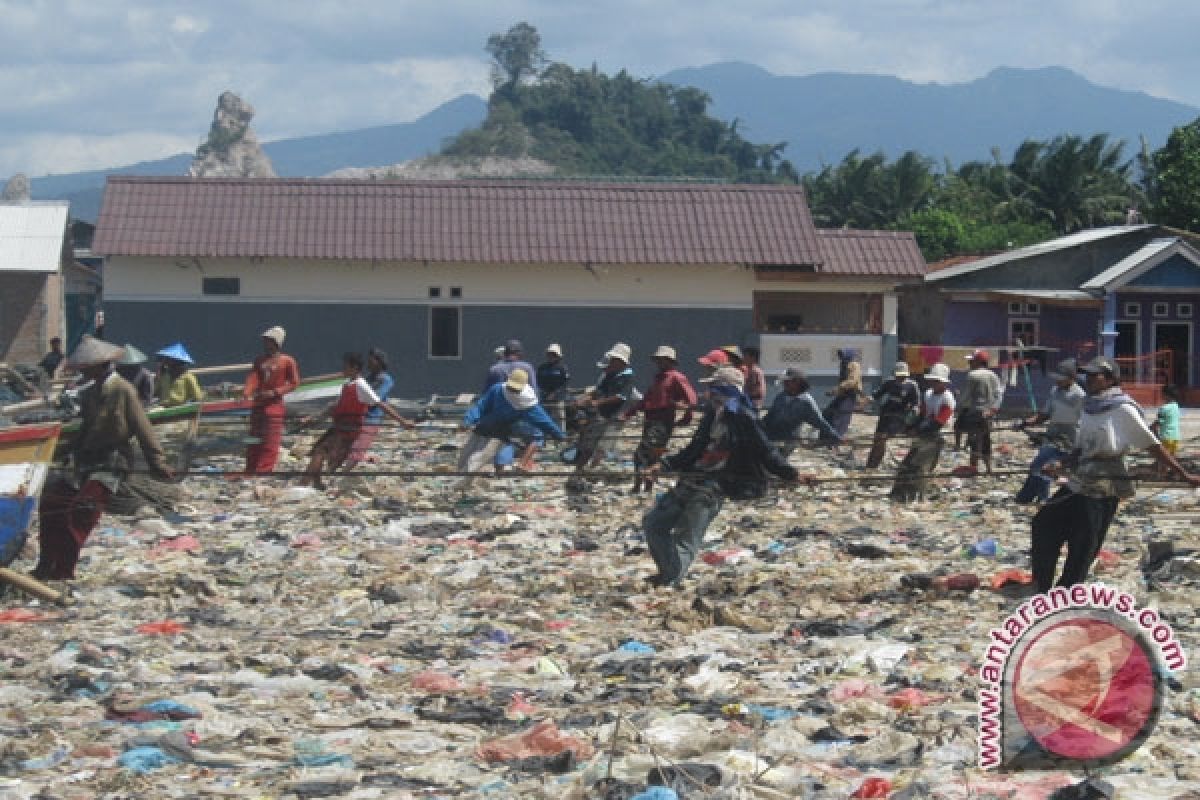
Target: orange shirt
(273, 376)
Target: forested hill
(823, 117)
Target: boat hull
(26, 452)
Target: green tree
(1177, 179)
(516, 56)
(1072, 182)
(588, 123)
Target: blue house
(1130, 291)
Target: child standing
(356, 399)
(1166, 424)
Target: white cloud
(184, 24)
(111, 73)
(57, 153)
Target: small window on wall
(1133, 310)
(445, 332)
(435, 291)
(224, 286)
(1024, 329)
(1161, 309)
(1183, 310)
(1033, 308)
(1014, 308)
(456, 291)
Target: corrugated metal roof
(859, 252)
(1148, 251)
(457, 221)
(1051, 246)
(1043, 294)
(31, 237)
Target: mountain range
(822, 117)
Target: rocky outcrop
(451, 168)
(16, 191)
(232, 150)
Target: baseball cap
(714, 358)
(980, 355)
(1101, 365)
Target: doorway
(1176, 337)
(1128, 339)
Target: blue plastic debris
(656, 793)
(145, 759)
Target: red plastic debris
(166, 627)
(852, 688)
(432, 681)
(519, 707)
(873, 787)
(1018, 576)
(21, 615)
(963, 582)
(908, 699)
(730, 555)
(543, 739)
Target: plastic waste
(543, 739)
(985, 547)
(145, 759)
(369, 640)
(873, 788)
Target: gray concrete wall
(318, 334)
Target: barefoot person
(355, 400)
(1079, 514)
(728, 457)
(273, 375)
(101, 457)
(937, 407)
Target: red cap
(714, 358)
(980, 355)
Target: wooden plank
(31, 586)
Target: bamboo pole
(32, 586)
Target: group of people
(732, 451)
(173, 384)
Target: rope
(606, 475)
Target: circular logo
(1085, 686)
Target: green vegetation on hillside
(586, 123)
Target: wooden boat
(26, 452)
(322, 387)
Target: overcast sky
(88, 84)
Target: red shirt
(353, 403)
(669, 387)
(277, 375)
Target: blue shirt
(789, 412)
(493, 415)
(382, 384)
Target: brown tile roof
(854, 252)
(457, 221)
(952, 261)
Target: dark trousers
(675, 528)
(66, 517)
(1080, 522)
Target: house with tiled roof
(1127, 291)
(441, 272)
(33, 261)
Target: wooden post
(31, 586)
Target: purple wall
(1147, 319)
(1072, 330)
